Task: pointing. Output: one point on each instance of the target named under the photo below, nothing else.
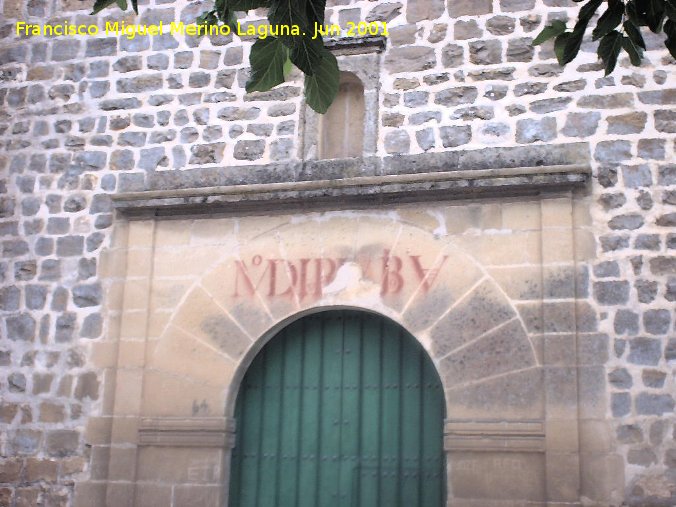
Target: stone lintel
(356, 191)
(187, 432)
(514, 436)
(356, 45)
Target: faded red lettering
(426, 276)
(241, 270)
(392, 281)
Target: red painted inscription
(307, 277)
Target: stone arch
(258, 345)
(428, 285)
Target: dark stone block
(663, 265)
(457, 8)
(611, 293)
(612, 151)
(20, 327)
(69, 246)
(653, 378)
(61, 443)
(530, 131)
(91, 326)
(65, 327)
(620, 404)
(36, 297)
(456, 96)
(485, 52)
(665, 121)
(644, 351)
(620, 378)
(654, 404)
(455, 136)
(657, 322)
(50, 270)
(9, 298)
(85, 295)
(101, 47)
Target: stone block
(485, 52)
(530, 131)
(20, 327)
(457, 8)
(479, 312)
(10, 470)
(177, 465)
(665, 121)
(397, 142)
(620, 404)
(418, 10)
(452, 55)
(654, 404)
(455, 136)
(463, 30)
(153, 495)
(384, 12)
(502, 350)
(630, 123)
(611, 293)
(409, 59)
(60, 443)
(612, 101)
(188, 496)
(502, 479)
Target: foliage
(271, 57)
(618, 28)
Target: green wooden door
(340, 409)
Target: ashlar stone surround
(489, 288)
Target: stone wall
(82, 118)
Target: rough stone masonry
(82, 118)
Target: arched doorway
(340, 409)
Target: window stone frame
(366, 67)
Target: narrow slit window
(342, 126)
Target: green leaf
(609, 19)
(609, 49)
(315, 11)
(557, 27)
(101, 4)
(652, 11)
(634, 16)
(575, 40)
(122, 4)
(587, 11)
(322, 87)
(288, 67)
(207, 18)
(307, 54)
(246, 5)
(670, 43)
(634, 34)
(290, 12)
(632, 50)
(670, 9)
(559, 45)
(267, 64)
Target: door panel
(340, 409)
